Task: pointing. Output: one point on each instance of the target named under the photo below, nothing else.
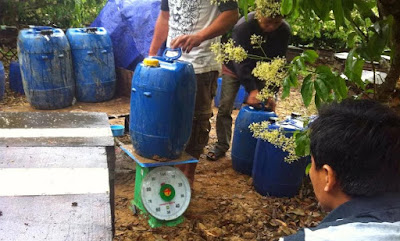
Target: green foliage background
(59, 13)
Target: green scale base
(143, 167)
(141, 172)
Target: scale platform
(162, 192)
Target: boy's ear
(330, 178)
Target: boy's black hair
(360, 140)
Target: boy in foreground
(355, 172)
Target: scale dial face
(165, 193)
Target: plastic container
(243, 143)
(46, 67)
(162, 106)
(273, 176)
(117, 130)
(93, 64)
(2, 81)
(15, 78)
(239, 99)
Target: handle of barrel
(168, 56)
(91, 30)
(261, 106)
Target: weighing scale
(162, 192)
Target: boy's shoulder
(357, 220)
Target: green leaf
(324, 9)
(293, 78)
(317, 100)
(348, 4)
(310, 56)
(351, 39)
(302, 140)
(308, 167)
(300, 64)
(365, 8)
(349, 64)
(338, 13)
(341, 87)
(307, 90)
(244, 6)
(321, 89)
(286, 6)
(296, 9)
(286, 87)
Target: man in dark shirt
(355, 172)
(275, 33)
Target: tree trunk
(387, 89)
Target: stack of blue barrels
(53, 66)
(162, 106)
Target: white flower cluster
(228, 51)
(272, 73)
(276, 138)
(267, 8)
(256, 40)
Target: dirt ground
(224, 205)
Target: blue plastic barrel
(15, 78)
(45, 58)
(273, 176)
(162, 106)
(2, 81)
(243, 143)
(239, 99)
(93, 63)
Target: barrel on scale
(45, 58)
(273, 176)
(162, 106)
(15, 78)
(244, 144)
(93, 62)
(2, 80)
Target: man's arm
(160, 32)
(219, 26)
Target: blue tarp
(130, 24)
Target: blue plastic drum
(244, 144)
(162, 106)
(45, 58)
(93, 62)
(273, 176)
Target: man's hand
(252, 100)
(186, 42)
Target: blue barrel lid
(42, 39)
(286, 125)
(1, 65)
(89, 38)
